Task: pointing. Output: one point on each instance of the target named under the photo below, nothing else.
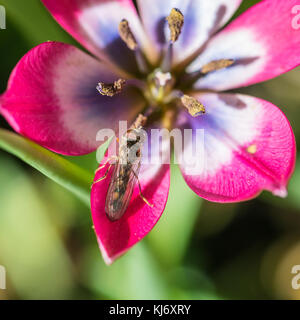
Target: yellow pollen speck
(194, 107)
(126, 35)
(111, 89)
(176, 21)
(252, 149)
(116, 196)
(217, 65)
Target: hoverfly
(126, 170)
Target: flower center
(162, 87)
(159, 87)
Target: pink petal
(115, 238)
(202, 19)
(52, 99)
(262, 41)
(94, 23)
(249, 146)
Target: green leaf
(60, 170)
(136, 275)
(34, 21)
(31, 248)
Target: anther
(175, 21)
(126, 35)
(194, 107)
(111, 89)
(139, 122)
(216, 65)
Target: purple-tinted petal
(52, 99)
(202, 19)
(94, 23)
(249, 146)
(262, 41)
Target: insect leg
(141, 194)
(105, 175)
(106, 162)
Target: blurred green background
(198, 250)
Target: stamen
(216, 65)
(194, 107)
(126, 35)
(167, 58)
(111, 89)
(141, 62)
(176, 21)
(139, 122)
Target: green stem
(60, 170)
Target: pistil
(160, 85)
(162, 78)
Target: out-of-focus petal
(262, 41)
(52, 99)
(115, 238)
(94, 23)
(202, 18)
(248, 146)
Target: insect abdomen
(120, 191)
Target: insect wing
(120, 190)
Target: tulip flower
(175, 59)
